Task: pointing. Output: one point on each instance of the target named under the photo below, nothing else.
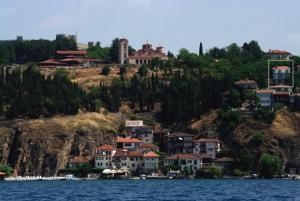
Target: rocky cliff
(42, 147)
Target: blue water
(232, 190)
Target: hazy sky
(174, 24)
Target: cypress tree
(200, 49)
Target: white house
(207, 146)
(130, 144)
(190, 162)
(103, 156)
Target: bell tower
(123, 51)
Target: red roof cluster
(151, 154)
(105, 147)
(128, 140)
(264, 91)
(182, 157)
(72, 52)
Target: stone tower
(123, 51)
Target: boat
(71, 177)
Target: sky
(174, 24)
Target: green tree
(200, 49)
(6, 169)
(143, 71)
(114, 51)
(105, 70)
(269, 165)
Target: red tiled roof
(51, 62)
(135, 154)
(280, 86)
(178, 134)
(182, 157)
(207, 140)
(121, 153)
(279, 52)
(282, 93)
(151, 154)
(281, 68)
(245, 82)
(225, 159)
(105, 147)
(72, 52)
(148, 145)
(79, 159)
(127, 140)
(264, 91)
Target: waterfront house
(145, 148)
(207, 146)
(281, 75)
(130, 160)
(130, 144)
(103, 156)
(78, 161)
(151, 160)
(185, 162)
(224, 162)
(178, 143)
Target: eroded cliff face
(42, 147)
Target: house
(207, 146)
(265, 97)
(147, 147)
(78, 162)
(131, 160)
(279, 54)
(178, 143)
(246, 84)
(128, 143)
(151, 160)
(185, 162)
(282, 93)
(103, 156)
(224, 162)
(281, 75)
(136, 129)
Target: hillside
(42, 147)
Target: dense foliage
(24, 51)
(28, 93)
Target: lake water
(136, 190)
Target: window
(195, 162)
(123, 164)
(127, 144)
(100, 164)
(131, 159)
(132, 165)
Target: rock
(43, 146)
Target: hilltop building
(279, 54)
(142, 56)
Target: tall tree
(200, 49)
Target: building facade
(209, 147)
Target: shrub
(6, 169)
(229, 120)
(264, 115)
(212, 172)
(278, 106)
(143, 71)
(258, 139)
(105, 70)
(269, 165)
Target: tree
(143, 71)
(105, 70)
(200, 49)
(269, 165)
(114, 51)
